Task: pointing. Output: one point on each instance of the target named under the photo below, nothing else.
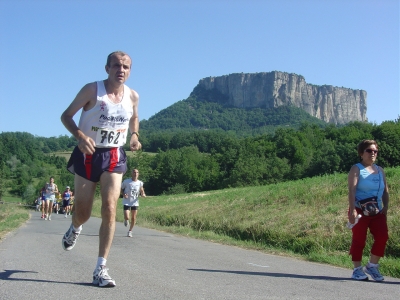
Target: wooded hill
(199, 160)
(202, 114)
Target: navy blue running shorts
(102, 160)
(126, 207)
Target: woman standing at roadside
(369, 197)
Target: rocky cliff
(331, 104)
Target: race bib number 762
(109, 138)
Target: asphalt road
(158, 265)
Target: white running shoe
(374, 273)
(49, 218)
(65, 215)
(69, 239)
(358, 274)
(101, 277)
(126, 223)
(45, 217)
(129, 233)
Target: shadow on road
(6, 275)
(287, 275)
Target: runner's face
(119, 68)
(135, 174)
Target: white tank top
(107, 122)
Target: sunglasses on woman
(370, 151)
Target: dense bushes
(200, 160)
(289, 154)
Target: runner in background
(71, 204)
(38, 203)
(43, 197)
(57, 202)
(131, 189)
(51, 190)
(66, 200)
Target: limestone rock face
(331, 104)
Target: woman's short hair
(364, 144)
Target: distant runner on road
(131, 189)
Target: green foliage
(24, 164)
(192, 114)
(185, 168)
(29, 194)
(388, 137)
(201, 160)
(2, 180)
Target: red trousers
(378, 227)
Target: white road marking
(258, 265)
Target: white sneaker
(45, 217)
(65, 215)
(49, 218)
(126, 223)
(129, 233)
(69, 239)
(358, 274)
(101, 277)
(374, 273)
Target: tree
(13, 162)
(2, 180)
(29, 194)
(387, 136)
(187, 167)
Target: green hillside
(192, 114)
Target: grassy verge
(304, 218)
(12, 215)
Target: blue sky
(50, 49)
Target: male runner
(131, 189)
(66, 200)
(109, 108)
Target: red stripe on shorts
(88, 165)
(113, 158)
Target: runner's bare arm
(134, 123)
(86, 99)
(142, 192)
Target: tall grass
(305, 218)
(12, 215)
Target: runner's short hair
(122, 53)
